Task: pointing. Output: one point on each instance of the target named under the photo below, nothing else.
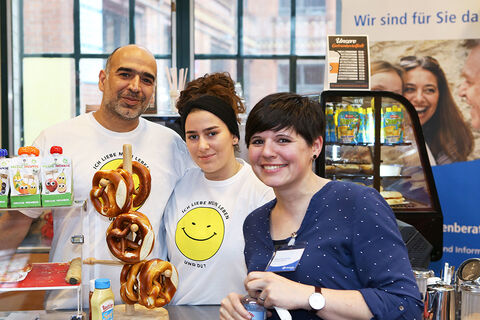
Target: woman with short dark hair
(352, 262)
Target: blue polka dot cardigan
(353, 243)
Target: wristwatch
(316, 300)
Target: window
(263, 43)
(59, 46)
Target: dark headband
(214, 105)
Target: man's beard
(130, 113)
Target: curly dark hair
(218, 84)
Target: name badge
(286, 259)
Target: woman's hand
(277, 291)
(231, 307)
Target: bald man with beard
(94, 141)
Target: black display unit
(390, 157)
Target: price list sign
(348, 61)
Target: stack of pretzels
(130, 237)
(150, 283)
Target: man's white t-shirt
(91, 148)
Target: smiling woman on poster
(445, 131)
(386, 77)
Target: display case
(26, 275)
(375, 138)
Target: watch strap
(317, 290)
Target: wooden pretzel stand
(135, 311)
(130, 311)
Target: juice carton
(393, 124)
(56, 179)
(24, 173)
(5, 184)
(330, 123)
(347, 125)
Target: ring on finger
(260, 298)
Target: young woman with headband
(205, 214)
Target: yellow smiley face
(200, 233)
(32, 189)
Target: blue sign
(458, 187)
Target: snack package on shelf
(5, 184)
(56, 174)
(330, 124)
(362, 132)
(24, 174)
(347, 122)
(393, 124)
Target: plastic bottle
(102, 300)
(256, 310)
(56, 177)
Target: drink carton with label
(24, 173)
(56, 179)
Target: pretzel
(158, 283)
(144, 183)
(128, 180)
(129, 285)
(130, 237)
(111, 192)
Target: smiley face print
(199, 233)
(62, 183)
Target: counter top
(174, 313)
(193, 312)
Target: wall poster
(436, 44)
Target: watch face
(316, 301)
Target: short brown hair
(287, 110)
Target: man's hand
(14, 227)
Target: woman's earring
(314, 157)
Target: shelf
(339, 159)
(164, 115)
(75, 204)
(363, 175)
(370, 144)
(411, 205)
(344, 162)
(43, 276)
